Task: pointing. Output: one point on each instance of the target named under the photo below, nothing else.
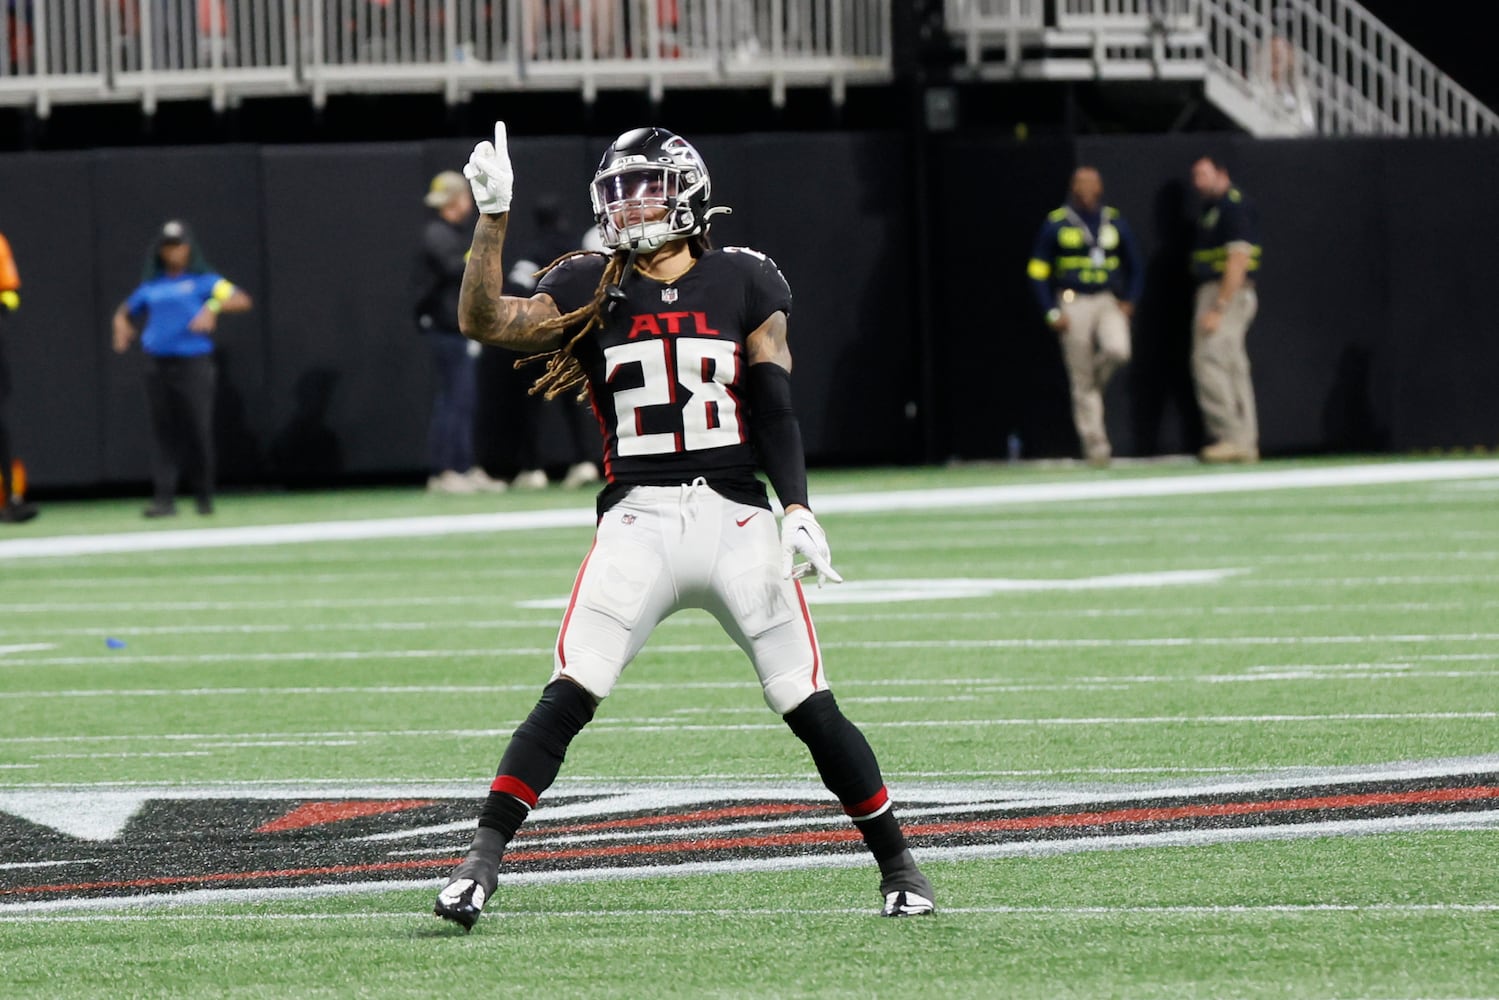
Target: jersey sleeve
(208, 284)
(1134, 264)
(10, 279)
(1237, 225)
(768, 290)
(1038, 268)
(572, 283)
(136, 303)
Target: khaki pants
(1094, 346)
(1220, 368)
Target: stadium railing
(54, 51)
(1277, 67)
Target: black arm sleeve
(775, 433)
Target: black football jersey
(666, 373)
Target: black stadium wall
(914, 333)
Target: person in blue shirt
(1086, 273)
(174, 312)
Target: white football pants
(664, 548)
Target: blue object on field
(115, 643)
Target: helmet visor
(642, 194)
(641, 205)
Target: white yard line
(548, 623)
(1255, 674)
(814, 596)
(924, 500)
(652, 725)
(420, 914)
(695, 649)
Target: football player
(682, 350)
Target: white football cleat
(469, 887)
(904, 903)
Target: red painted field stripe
(1157, 815)
(318, 813)
(728, 812)
(800, 839)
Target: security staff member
(1225, 257)
(13, 507)
(1086, 274)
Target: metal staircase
(1276, 67)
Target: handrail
(1353, 75)
(1292, 66)
(150, 50)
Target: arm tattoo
(768, 342)
(488, 315)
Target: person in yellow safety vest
(1225, 259)
(13, 508)
(1086, 273)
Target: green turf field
(1028, 650)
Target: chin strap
(614, 295)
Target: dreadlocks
(563, 370)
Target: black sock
(849, 770)
(883, 836)
(534, 756)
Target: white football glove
(802, 535)
(490, 175)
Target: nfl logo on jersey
(668, 295)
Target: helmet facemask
(643, 206)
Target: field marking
(977, 852)
(319, 603)
(975, 687)
(549, 623)
(420, 914)
(1217, 781)
(99, 811)
(962, 588)
(140, 753)
(653, 725)
(949, 536)
(290, 656)
(924, 500)
(487, 600)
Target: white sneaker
(531, 479)
(451, 482)
(580, 475)
(483, 482)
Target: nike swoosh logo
(746, 520)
